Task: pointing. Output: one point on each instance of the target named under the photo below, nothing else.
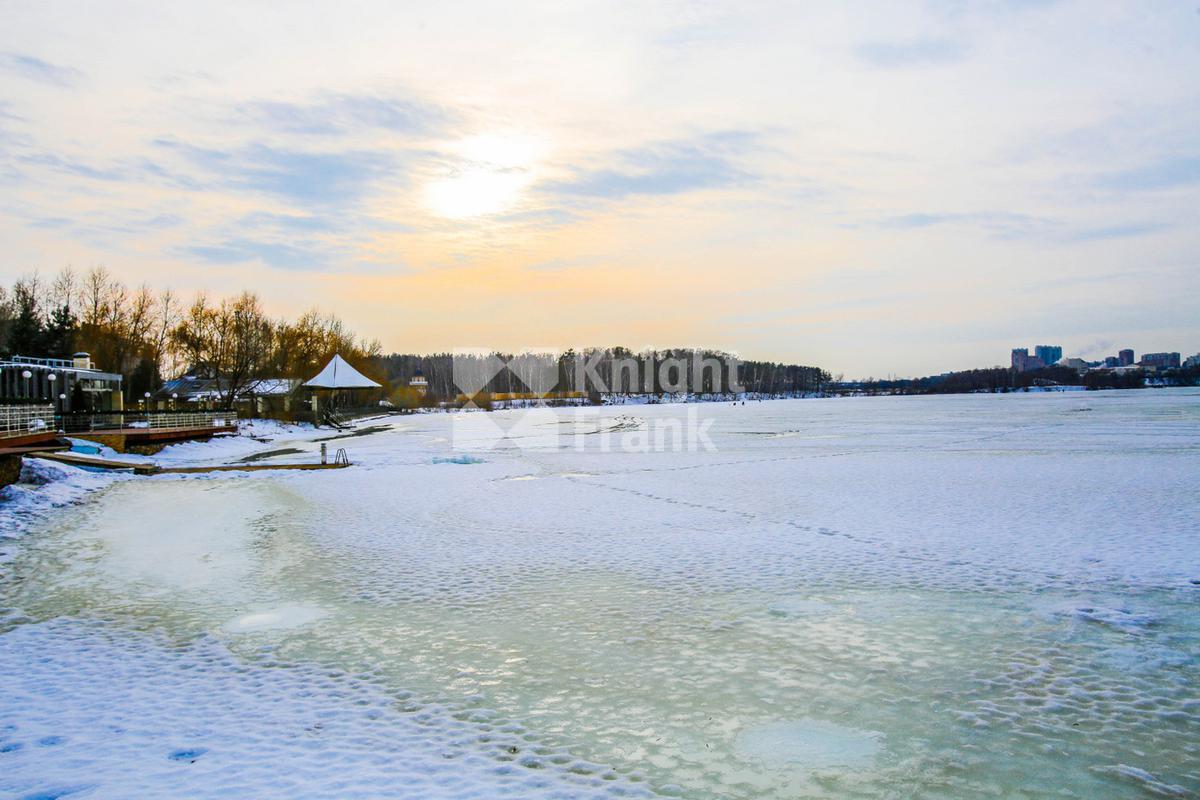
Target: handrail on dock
(133, 420)
(24, 419)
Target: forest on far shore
(150, 336)
(1006, 379)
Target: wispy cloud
(305, 223)
(274, 254)
(6, 114)
(562, 264)
(72, 167)
(1012, 226)
(540, 217)
(1166, 174)
(129, 170)
(912, 52)
(309, 179)
(345, 113)
(664, 169)
(1000, 224)
(1106, 232)
(36, 69)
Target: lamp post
(27, 375)
(51, 378)
(174, 397)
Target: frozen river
(877, 597)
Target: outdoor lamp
(26, 374)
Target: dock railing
(117, 420)
(24, 419)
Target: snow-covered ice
(931, 596)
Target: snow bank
(44, 486)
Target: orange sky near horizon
(872, 188)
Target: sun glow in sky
(493, 171)
(875, 188)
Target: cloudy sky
(872, 187)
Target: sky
(874, 188)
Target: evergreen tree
(26, 334)
(59, 334)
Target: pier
(148, 432)
(35, 429)
(149, 468)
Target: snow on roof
(338, 374)
(271, 386)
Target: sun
(489, 178)
(475, 192)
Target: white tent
(340, 375)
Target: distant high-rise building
(1022, 361)
(1160, 360)
(1048, 353)
(1125, 357)
(1192, 361)
(1112, 361)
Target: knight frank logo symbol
(530, 374)
(525, 387)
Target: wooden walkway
(32, 449)
(37, 441)
(148, 439)
(117, 438)
(147, 468)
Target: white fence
(183, 419)
(25, 419)
(115, 420)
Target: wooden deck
(117, 438)
(246, 468)
(31, 449)
(80, 460)
(148, 468)
(47, 438)
(149, 439)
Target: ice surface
(929, 597)
(809, 744)
(275, 619)
(96, 713)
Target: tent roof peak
(338, 374)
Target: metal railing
(49, 363)
(114, 420)
(191, 419)
(22, 420)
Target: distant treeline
(1002, 379)
(596, 371)
(149, 336)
